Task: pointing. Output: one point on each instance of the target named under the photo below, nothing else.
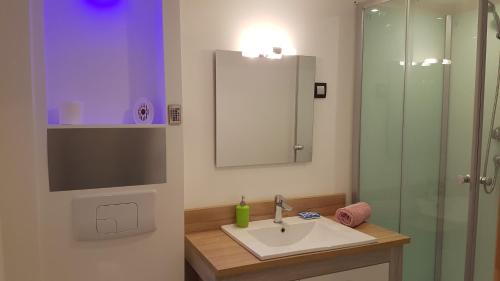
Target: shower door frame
(475, 166)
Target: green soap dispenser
(242, 213)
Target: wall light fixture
(266, 40)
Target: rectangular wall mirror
(264, 109)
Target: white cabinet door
(371, 273)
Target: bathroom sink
(266, 239)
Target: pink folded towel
(354, 214)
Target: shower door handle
(482, 180)
(298, 147)
(487, 181)
(463, 179)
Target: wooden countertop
(225, 257)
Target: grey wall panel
(86, 158)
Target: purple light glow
(105, 58)
(103, 3)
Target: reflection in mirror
(264, 109)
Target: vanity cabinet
(378, 272)
(211, 255)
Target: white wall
(18, 204)
(37, 233)
(322, 28)
(157, 256)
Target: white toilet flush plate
(117, 218)
(111, 216)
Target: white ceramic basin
(267, 240)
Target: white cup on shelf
(70, 113)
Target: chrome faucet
(280, 204)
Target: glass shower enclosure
(428, 148)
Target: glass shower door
(453, 217)
(382, 109)
(426, 93)
(487, 253)
(417, 132)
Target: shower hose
(489, 188)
